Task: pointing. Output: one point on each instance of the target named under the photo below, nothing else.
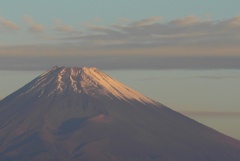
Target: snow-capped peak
(90, 81)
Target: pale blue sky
(183, 53)
(109, 10)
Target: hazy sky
(186, 47)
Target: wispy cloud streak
(211, 113)
(59, 26)
(34, 27)
(147, 21)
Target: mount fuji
(82, 114)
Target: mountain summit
(83, 81)
(81, 114)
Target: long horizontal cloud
(212, 113)
(184, 43)
(147, 21)
(73, 56)
(59, 26)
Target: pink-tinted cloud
(37, 28)
(185, 21)
(147, 21)
(7, 24)
(189, 36)
(97, 28)
(59, 26)
(232, 22)
(123, 20)
(34, 27)
(65, 28)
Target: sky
(184, 54)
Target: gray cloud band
(119, 62)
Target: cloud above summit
(188, 42)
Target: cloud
(211, 113)
(7, 24)
(210, 77)
(34, 27)
(98, 19)
(123, 20)
(184, 43)
(186, 32)
(59, 26)
(106, 34)
(185, 21)
(43, 57)
(65, 28)
(235, 21)
(37, 28)
(190, 30)
(147, 21)
(218, 77)
(232, 22)
(99, 28)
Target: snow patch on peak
(91, 81)
(74, 72)
(60, 82)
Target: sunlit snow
(91, 81)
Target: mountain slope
(74, 114)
